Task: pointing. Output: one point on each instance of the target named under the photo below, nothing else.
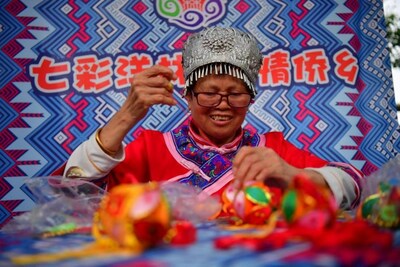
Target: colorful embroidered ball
(303, 202)
(308, 204)
(135, 217)
(253, 204)
(383, 207)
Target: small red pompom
(184, 233)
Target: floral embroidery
(211, 163)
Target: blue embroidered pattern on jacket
(211, 163)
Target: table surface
(201, 253)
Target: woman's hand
(260, 164)
(264, 164)
(150, 87)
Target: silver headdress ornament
(221, 51)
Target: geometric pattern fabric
(326, 79)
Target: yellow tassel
(90, 250)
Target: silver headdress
(221, 51)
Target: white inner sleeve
(341, 185)
(94, 162)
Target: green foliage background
(393, 37)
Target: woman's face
(219, 124)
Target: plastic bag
(190, 203)
(62, 203)
(70, 204)
(389, 174)
(380, 199)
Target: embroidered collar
(205, 144)
(211, 161)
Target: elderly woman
(221, 67)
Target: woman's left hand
(261, 164)
(264, 164)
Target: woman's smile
(219, 118)
(220, 123)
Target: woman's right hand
(150, 87)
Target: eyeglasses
(210, 100)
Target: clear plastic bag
(60, 202)
(64, 203)
(380, 199)
(389, 173)
(190, 203)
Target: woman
(221, 68)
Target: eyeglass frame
(195, 94)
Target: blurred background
(392, 14)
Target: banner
(65, 68)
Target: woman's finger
(158, 70)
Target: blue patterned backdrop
(326, 79)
